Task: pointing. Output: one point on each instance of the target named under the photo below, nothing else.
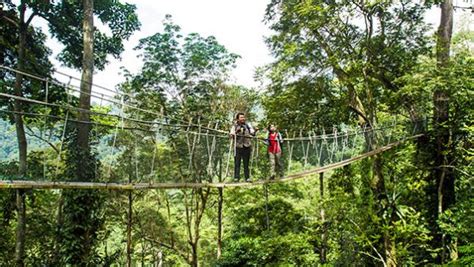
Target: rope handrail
(28, 184)
(113, 100)
(189, 146)
(151, 123)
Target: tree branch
(370, 243)
(31, 133)
(28, 21)
(360, 113)
(10, 20)
(173, 248)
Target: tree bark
(219, 222)
(267, 218)
(58, 237)
(445, 31)
(442, 155)
(21, 228)
(87, 73)
(129, 229)
(219, 213)
(21, 139)
(324, 235)
(201, 196)
(378, 188)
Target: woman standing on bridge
(274, 142)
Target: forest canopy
(357, 147)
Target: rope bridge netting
(167, 152)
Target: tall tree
(87, 73)
(65, 20)
(22, 21)
(185, 77)
(315, 39)
(86, 48)
(443, 154)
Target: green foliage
(8, 149)
(65, 24)
(315, 99)
(7, 235)
(251, 242)
(285, 250)
(181, 73)
(37, 56)
(328, 54)
(82, 215)
(320, 41)
(456, 80)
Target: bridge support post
(129, 229)
(323, 248)
(219, 221)
(220, 202)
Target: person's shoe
(236, 180)
(248, 180)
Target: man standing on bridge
(242, 134)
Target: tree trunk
(378, 180)
(219, 222)
(390, 251)
(87, 72)
(58, 237)
(160, 258)
(194, 254)
(21, 228)
(219, 213)
(20, 129)
(129, 229)
(445, 31)
(267, 218)
(168, 211)
(201, 196)
(324, 234)
(378, 188)
(21, 139)
(442, 155)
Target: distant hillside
(8, 142)
(8, 145)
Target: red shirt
(273, 143)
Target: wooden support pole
(267, 218)
(220, 202)
(323, 249)
(129, 229)
(219, 221)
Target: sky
(237, 24)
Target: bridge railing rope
(170, 153)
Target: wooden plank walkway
(23, 184)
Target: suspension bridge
(172, 153)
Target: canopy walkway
(15, 184)
(171, 153)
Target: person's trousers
(242, 154)
(275, 162)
